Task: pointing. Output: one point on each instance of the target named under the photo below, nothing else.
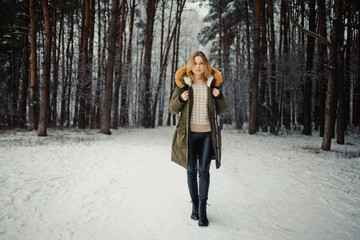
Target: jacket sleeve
(176, 104)
(220, 104)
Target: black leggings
(200, 147)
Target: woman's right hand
(185, 95)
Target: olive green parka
(180, 141)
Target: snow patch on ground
(84, 185)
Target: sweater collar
(188, 82)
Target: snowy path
(81, 186)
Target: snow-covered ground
(83, 185)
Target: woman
(197, 140)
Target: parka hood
(181, 79)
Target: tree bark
(356, 83)
(52, 117)
(262, 119)
(255, 77)
(84, 79)
(347, 64)
(341, 121)
(309, 67)
(124, 108)
(106, 116)
(96, 108)
(247, 25)
(89, 99)
(273, 104)
(80, 69)
(66, 75)
(330, 95)
(286, 101)
(25, 82)
(15, 86)
(119, 74)
(173, 69)
(322, 52)
(42, 129)
(150, 19)
(33, 69)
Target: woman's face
(198, 68)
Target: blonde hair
(207, 68)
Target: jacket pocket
(179, 136)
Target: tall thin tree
(33, 69)
(309, 67)
(25, 82)
(84, 78)
(150, 20)
(255, 77)
(273, 104)
(322, 52)
(42, 129)
(109, 78)
(119, 74)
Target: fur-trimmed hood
(181, 79)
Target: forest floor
(84, 185)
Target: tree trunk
(119, 76)
(161, 57)
(89, 97)
(46, 72)
(286, 109)
(96, 108)
(124, 109)
(80, 75)
(347, 66)
(356, 83)
(247, 25)
(106, 115)
(25, 82)
(52, 118)
(273, 104)
(176, 62)
(15, 87)
(262, 121)
(33, 69)
(69, 73)
(322, 81)
(341, 121)
(150, 19)
(255, 77)
(173, 69)
(84, 77)
(66, 76)
(330, 95)
(309, 67)
(302, 4)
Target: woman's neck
(198, 78)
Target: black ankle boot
(195, 210)
(203, 220)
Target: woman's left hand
(216, 92)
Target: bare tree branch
(310, 33)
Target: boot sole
(203, 225)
